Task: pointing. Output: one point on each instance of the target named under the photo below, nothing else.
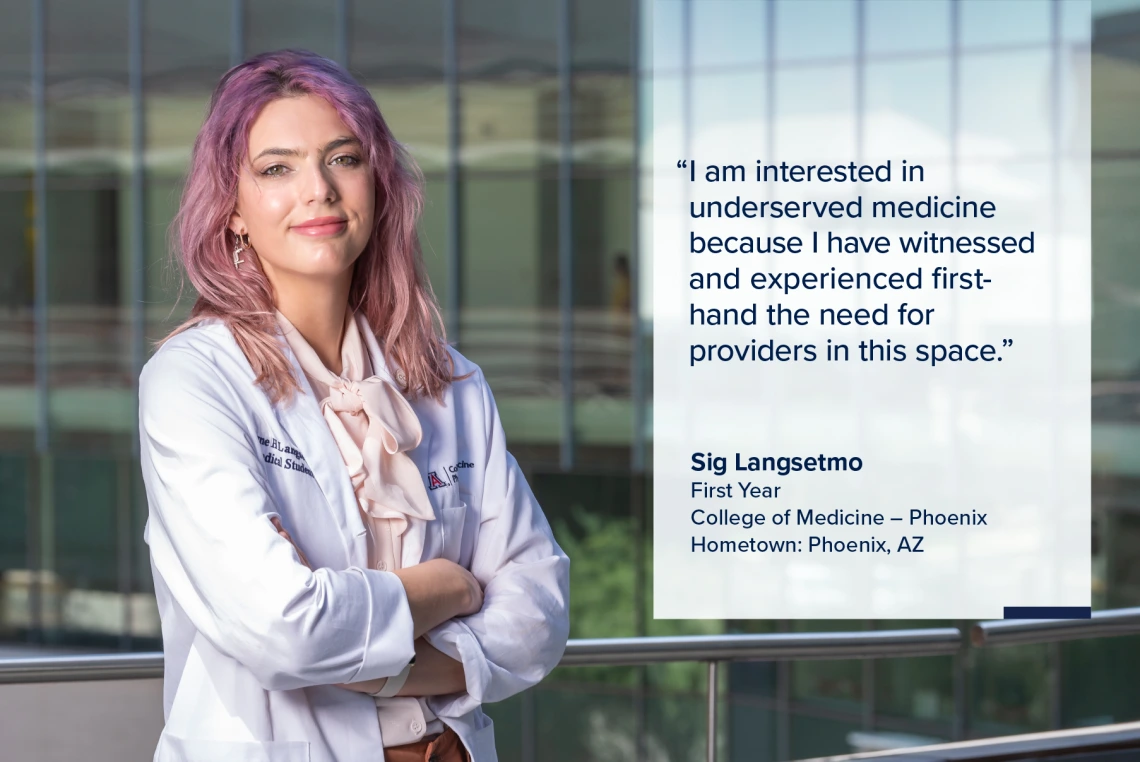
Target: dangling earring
(242, 245)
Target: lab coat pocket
(171, 748)
(451, 523)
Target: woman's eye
(274, 171)
(346, 161)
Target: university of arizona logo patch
(450, 475)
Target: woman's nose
(320, 186)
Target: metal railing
(1010, 632)
(72, 669)
(1092, 744)
(712, 650)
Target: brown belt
(446, 747)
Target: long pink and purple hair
(389, 285)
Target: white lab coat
(254, 641)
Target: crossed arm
(437, 591)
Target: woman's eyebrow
(294, 152)
(340, 142)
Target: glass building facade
(528, 119)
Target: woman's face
(306, 196)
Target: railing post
(639, 720)
(783, 702)
(712, 711)
(1056, 696)
(961, 662)
(869, 687)
(529, 729)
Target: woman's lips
(323, 226)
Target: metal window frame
(454, 171)
(565, 44)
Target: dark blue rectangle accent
(1048, 612)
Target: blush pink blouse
(374, 427)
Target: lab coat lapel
(302, 419)
(413, 538)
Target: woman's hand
(281, 531)
(434, 674)
(439, 590)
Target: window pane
(602, 212)
(820, 29)
(1004, 22)
(396, 51)
(1097, 680)
(1115, 87)
(601, 35)
(1005, 118)
(186, 50)
(307, 24)
(906, 26)
(396, 40)
(509, 90)
(908, 109)
(665, 48)
(729, 34)
(1009, 691)
(88, 136)
(14, 497)
(17, 241)
(1116, 270)
(815, 114)
(80, 517)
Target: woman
(347, 560)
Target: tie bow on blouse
(345, 398)
(373, 425)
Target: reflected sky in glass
(906, 26)
(729, 33)
(819, 29)
(912, 97)
(1004, 22)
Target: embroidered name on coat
(290, 458)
